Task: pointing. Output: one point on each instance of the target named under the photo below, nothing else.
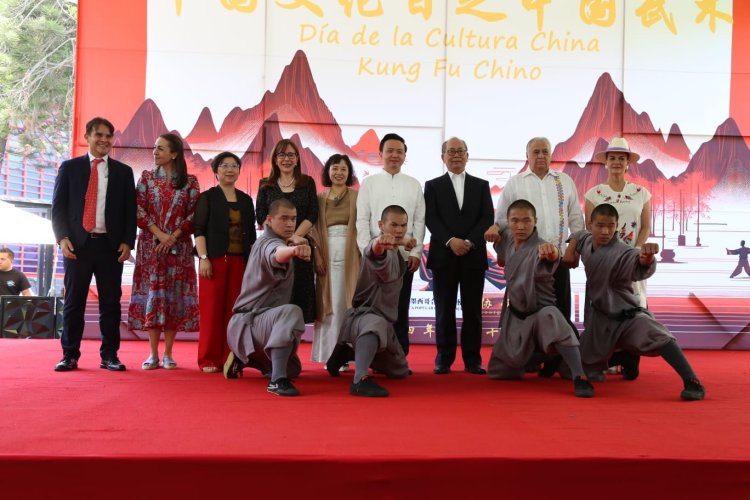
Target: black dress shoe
(441, 369)
(112, 364)
(475, 369)
(66, 364)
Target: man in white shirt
(555, 198)
(391, 187)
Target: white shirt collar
(529, 171)
(92, 158)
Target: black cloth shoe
(583, 388)
(549, 368)
(342, 354)
(693, 391)
(532, 367)
(631, 366)
(282, 387)
(232, 366)
(441, 369)
(66, 364)
(264, 368)
(112, 364)
(475, 369)
(368, 388)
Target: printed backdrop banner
(335, 76)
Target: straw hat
(617, 145)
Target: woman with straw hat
(633, 204)
(632, 201)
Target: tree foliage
(37, 56)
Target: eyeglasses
(456, 152)
(229, 165)
(290, 156)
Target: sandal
(151, 363)
(168, 363)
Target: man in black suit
(93, 216)
(458, 208)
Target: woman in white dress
(632, 201)
(336, 254)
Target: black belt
(520, 314)
(624, 314)
(95, 236)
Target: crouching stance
(613, 316)
(530, 322)
(265, 329)
(368, 325)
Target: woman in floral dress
(164, 296)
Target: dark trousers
(401, 325)
(446, 283)
(741, 266)
(562, 294)
(95, 258)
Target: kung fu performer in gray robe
(613, 316)
(265, 328)
(530, 322)
(368, 325)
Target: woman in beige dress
(337, 257)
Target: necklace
(337, 196)
(284, 186)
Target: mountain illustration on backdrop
(296, 110)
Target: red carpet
(183, 433)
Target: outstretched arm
(648, 250)
(386, 242)
(548, 251)
(571, 257)
(296, 249)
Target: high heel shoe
(168, 363)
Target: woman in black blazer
(224, 234)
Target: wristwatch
(203, 257)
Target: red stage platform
(183, 433)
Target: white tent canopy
(20, 227)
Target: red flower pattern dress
(165, 290)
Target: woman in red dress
(164, 296)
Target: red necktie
(89, 207)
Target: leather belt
(95, 236)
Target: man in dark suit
(458, 208)
(93, 217)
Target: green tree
(37, 56)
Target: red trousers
(216, 298)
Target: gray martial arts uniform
(375, 308)
(613, 316)
(530, 322)
(263, 318)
